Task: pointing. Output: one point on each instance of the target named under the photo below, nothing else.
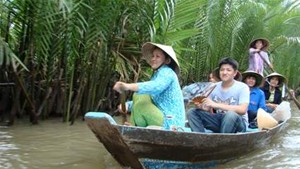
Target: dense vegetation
(64, 55)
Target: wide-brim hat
(281, 78)
(148, 48)
(265, 43)
(237, 77)
(258, 77)
(265, 120)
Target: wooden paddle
(123, 107)
(286, 87)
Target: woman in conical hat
(147, 51)
(257, 78)
(265, 43)
(258, 55)
(272, 90)
(280, 78)
(163, 87)
(257, 96)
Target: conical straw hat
(265, 120)
(147, 51)
(259, 78)
(281, 78)
(264, 41)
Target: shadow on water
(53, 144)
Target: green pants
(144, 113)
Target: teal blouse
(166, 94)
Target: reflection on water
(53, 144)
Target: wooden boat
(138, 147)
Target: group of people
(228, 109)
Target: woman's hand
(271, 105)
(120, 109)
(120, 87)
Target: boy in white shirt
(229, 102)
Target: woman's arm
(159, 83)
(253, 50)
(262, 100)
(121, 87)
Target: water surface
(53, 144)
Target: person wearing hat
(257, 96)
(163, 87)
(229, 101)
(272, 90)
(258, 55)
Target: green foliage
(75, 50)
(8, 57)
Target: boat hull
(139, 147)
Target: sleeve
(158, 84)
(129, 104)
(265, 90)
(262, 100)
(277, 97)
(244, 96)
(251, 51)
(280, 99)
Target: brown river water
(53, 144)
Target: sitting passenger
(213, 76)
(229, 100)
(257, 96)
(272, 91)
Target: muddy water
(53, 144)
(50, 145)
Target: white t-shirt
(238, 93)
